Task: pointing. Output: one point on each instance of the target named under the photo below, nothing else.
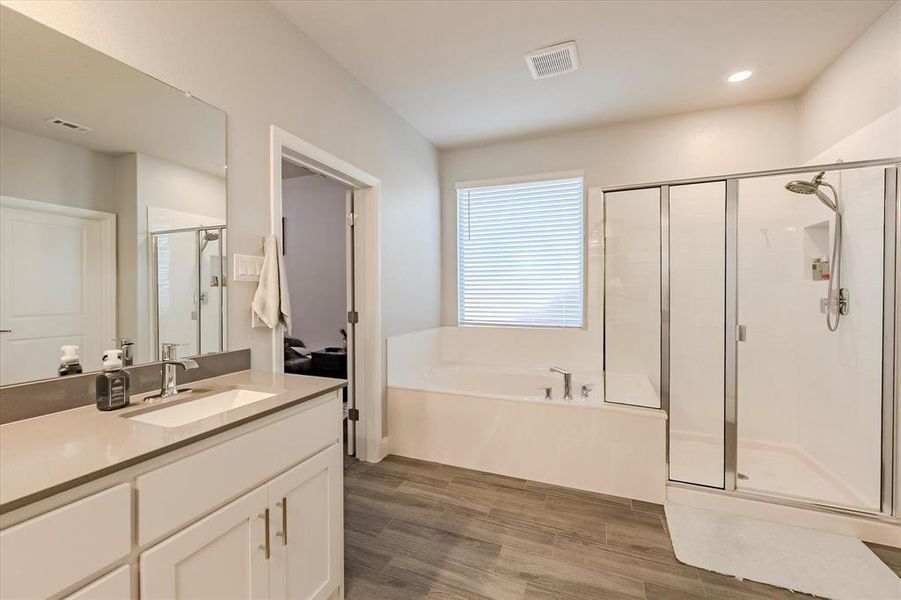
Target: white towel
(271, 305)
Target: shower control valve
(840, 305)
(586, 390)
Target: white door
(308, 543)
(220, 557)
(57, 286)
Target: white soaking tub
(451, 400)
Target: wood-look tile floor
(420, 530)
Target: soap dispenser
(68, 362)
(113, 383)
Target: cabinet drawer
(48, 553)
(181, 491)
(116, 585)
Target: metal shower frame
(890, 505)
(223, 289)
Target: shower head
(813, 187)
(208, 236)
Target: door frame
(108, 241)
(368, 346)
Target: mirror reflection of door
(88, 144)
(57, 265)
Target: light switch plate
(247, 267)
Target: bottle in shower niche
(69, 363)
(820, 269)
(113, 384)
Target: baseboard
(385, 447)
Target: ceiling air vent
(553, 60)
(69, 125)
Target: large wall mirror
(112, 209)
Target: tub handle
(547, 392)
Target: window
(520, 254)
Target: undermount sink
(206, 406)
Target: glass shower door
(211, 298)
(809, 400)
(177, 290)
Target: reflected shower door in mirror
(697, 261)
(96, 157)
(189, 271)
(632, 297)
(810, 399)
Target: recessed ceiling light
(739, 76)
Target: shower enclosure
(189, 275)
(717, 295)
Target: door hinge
(353, 414)
(351, 218)
(353, 317)
(741, 333)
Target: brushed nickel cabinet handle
(284, 532)
(265, 547)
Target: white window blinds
(520, 254)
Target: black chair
(295, 362)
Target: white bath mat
(803, 560)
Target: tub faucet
(567, 381)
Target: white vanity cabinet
(307, 506)
(45, 555)
(253, 512)
(221, 556)
(282, 540)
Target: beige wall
(742, 138)
(856, 99)
(251, 62)
(37, 168)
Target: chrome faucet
(567, 381)
(168, 385)
(127, 346)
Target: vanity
(231, 490)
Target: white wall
(251, 62)
(315, 264)
(856, 99)
(749, 137)
(38, 168)
(853, 112)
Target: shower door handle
(740, 333)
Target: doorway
(344, 201)
(317, 245)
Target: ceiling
(455, 69)
(44, 74)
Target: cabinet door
(308, 524)
(114, 585)
(221, 556)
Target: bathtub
(451, 399)
(507, 383)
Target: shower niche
(816, 265)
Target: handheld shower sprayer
(836, 296)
